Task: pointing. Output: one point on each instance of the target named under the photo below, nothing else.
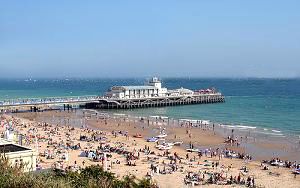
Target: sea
(269, 105)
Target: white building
(180, 92)
(152, 89)
(18, 155)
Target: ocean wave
(90, 110)
(245, 127)
(246, 96)
(271, 134)
(237, 126)
(276, 131)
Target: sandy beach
(70, 140)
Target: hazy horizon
(146, 77)
(135, 39)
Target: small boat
(162, 136)
(170, 144)
(164, 147)
(276, 163)
(137, 136)
(177, 143)
(232, 154)
(192, 150)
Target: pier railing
(109, 102)
(141, 102)
(48, 100)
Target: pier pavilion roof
(138, 87)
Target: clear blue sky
(197, 38)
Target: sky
(170, 38)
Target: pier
(121, 97)
(99, 102)
(111, 103)
(154, 95)
(36, 104)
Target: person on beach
(138, 146)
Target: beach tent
(296, 171)
(91, 155)
(152, 139)
(82, 154)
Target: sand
(206, 138)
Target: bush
(89, 177)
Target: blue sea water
(273, 104)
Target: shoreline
(263, 131)
(260, 147)
(254, 138)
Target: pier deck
(109, 103)
(35, 103)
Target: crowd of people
(282, 163)
(218, 178)
(70, 148)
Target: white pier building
(124, 97)
(152, 89)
